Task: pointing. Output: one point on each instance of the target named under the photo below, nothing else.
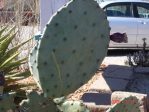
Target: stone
(108, 84)
(97, 98)
(142, 70)
(119, 71)
(115, 60)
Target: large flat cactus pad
(73, 45)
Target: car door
(121, 20)
(141, 11)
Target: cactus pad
(37, 103)
(33, 63)
(7, 103)
(73, 45)
(73, 106)
(129, 104)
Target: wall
(47, 9)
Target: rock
(108, 84)
(97, 98)
(119, 71)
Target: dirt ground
(73, 96)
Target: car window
(142, 10)
(118, 10)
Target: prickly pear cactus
(72, 47)
(73, 106)
(7, 103)
(33, 63)
(32, 58)
(129, 104)
(37, 103)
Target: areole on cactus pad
(73, 45)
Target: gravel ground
(85, 88)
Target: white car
(130, 17)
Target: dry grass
(24, 14)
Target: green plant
(73, 106)
(9, 64)
(72, 47)
(37, 103)
(7, 103)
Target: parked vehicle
(130, 17)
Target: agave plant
(9, 63)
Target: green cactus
(65, 105)
(37, 103)
(73, 106)
(33, 63)
(129, 104)
(59, 101)
(72, 47)
(32, 58)
(7, 102)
